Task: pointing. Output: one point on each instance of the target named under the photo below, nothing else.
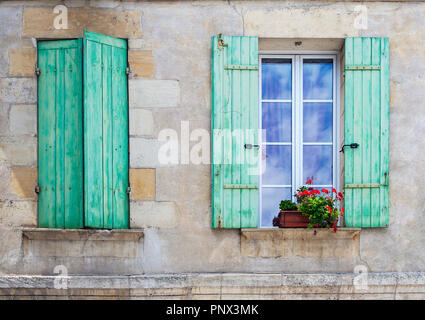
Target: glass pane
(276, 79)
(317, 79)
(317, 164)
(277, 121)
(270, 200)
(277, 165)
(317, 122)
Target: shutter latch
(37, 70)
(37, 189)
(351, 145)
(128, 190)
(220, 43)
(127, 70)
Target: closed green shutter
(60, 138)
(234, 111)
(367, 123)
(105, 131)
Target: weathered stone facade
(170, 61)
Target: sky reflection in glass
(317, 164)
(317, 122)
(277, 165)
(317, 79)
(277, 121)
(271, 198)
(276, 79)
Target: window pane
(317, 122)
(317, 164)
(277, 121)
(317, 79)
(270, 200)
(276, 79)
(277, 165)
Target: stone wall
(169, 56)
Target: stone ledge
(290, 242)
(410, 285)
(82, 234)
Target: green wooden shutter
(60, 134)
(105, 131)
(234, 107)
(367, 123)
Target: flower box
(291, 219)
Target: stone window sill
(298, 242)
(82, 234)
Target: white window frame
(297, 120)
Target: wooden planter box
(291, 219)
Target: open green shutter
(367, 123)
(105, 131)
(60, 134)
(234, 124)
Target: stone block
(306, 243)
(144, 93)
(141, 63)
(144, 153)
(23, 120)
(144, 214)
(22, 62)
(142, 182)
(18, 90)
(22, 182)
(20, 151)
(141, 122)
(39, 23)
(18, 213)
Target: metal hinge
(127, 71)
(37, 189)
(219, 222)
(241, 67)
(128, 190)
(37, 70)
(220, 43)
(362, 67)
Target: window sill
(298, 242)
(82, 234)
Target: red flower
(334, 190)
(329, 209)
(305, 193)
(342, 209)
(299, 194)
(325, 191)
(309, 181)
(335, 228)
(341, 196)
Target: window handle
(250, 146)
(351, 145)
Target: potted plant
(316, 208)
(322, 207)
(290, 217)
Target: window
(298, 112)
(83, 133)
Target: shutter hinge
(37, 70)
(128, 190)
(220, 43)
(219, 222)
(127, 71)
(37, 189)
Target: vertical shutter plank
(120, 138)
(365, 144)
(349, 128)
(385, 122)
(46, 139)
(376, 133)
(93, 139)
